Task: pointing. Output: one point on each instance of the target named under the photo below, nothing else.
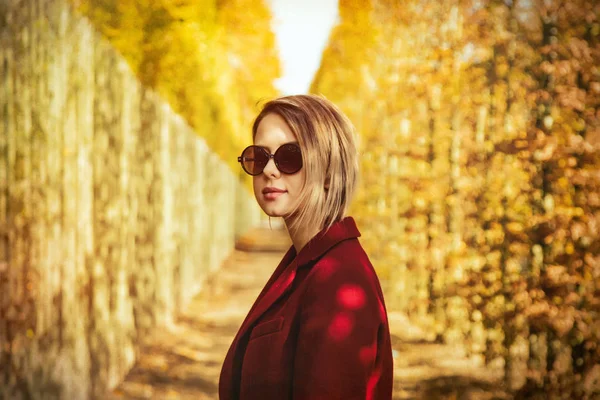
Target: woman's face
(276, 192)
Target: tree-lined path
(121, 199)
(184, 361)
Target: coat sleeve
(340, 330)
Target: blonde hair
(326, 139)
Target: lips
(271, 193)
(272, 190)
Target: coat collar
(325, 240)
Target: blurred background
(479, 199)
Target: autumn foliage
(479, 133)
(212, 60)
(480, 147)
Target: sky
(302, 29)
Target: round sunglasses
(288, 159)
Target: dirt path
(184, 361)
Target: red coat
(318, 330)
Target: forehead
(273, 131)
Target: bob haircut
(329, 155)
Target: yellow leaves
(569, 248)
(555, 272)
(549, 203)
(512, 175)
(184, 50)
(495, 308)
(191, 10)
(355, 11)
(568, 212)
(515, 227)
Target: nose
(271, 169)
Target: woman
(318, 330)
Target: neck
(300, 236)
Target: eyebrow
(269, 149)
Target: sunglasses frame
(269, 155)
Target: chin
(272, 211)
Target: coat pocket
(264, 328)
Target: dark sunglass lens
(288, 158)
(254, 160)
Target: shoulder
(343, 279)
(347, 261)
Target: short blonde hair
(329, 155)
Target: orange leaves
(480, 118)
(557, 276)
(543, 313)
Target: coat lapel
(273, 290)
(325, 240)
(227, 391)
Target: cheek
(256, 186)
